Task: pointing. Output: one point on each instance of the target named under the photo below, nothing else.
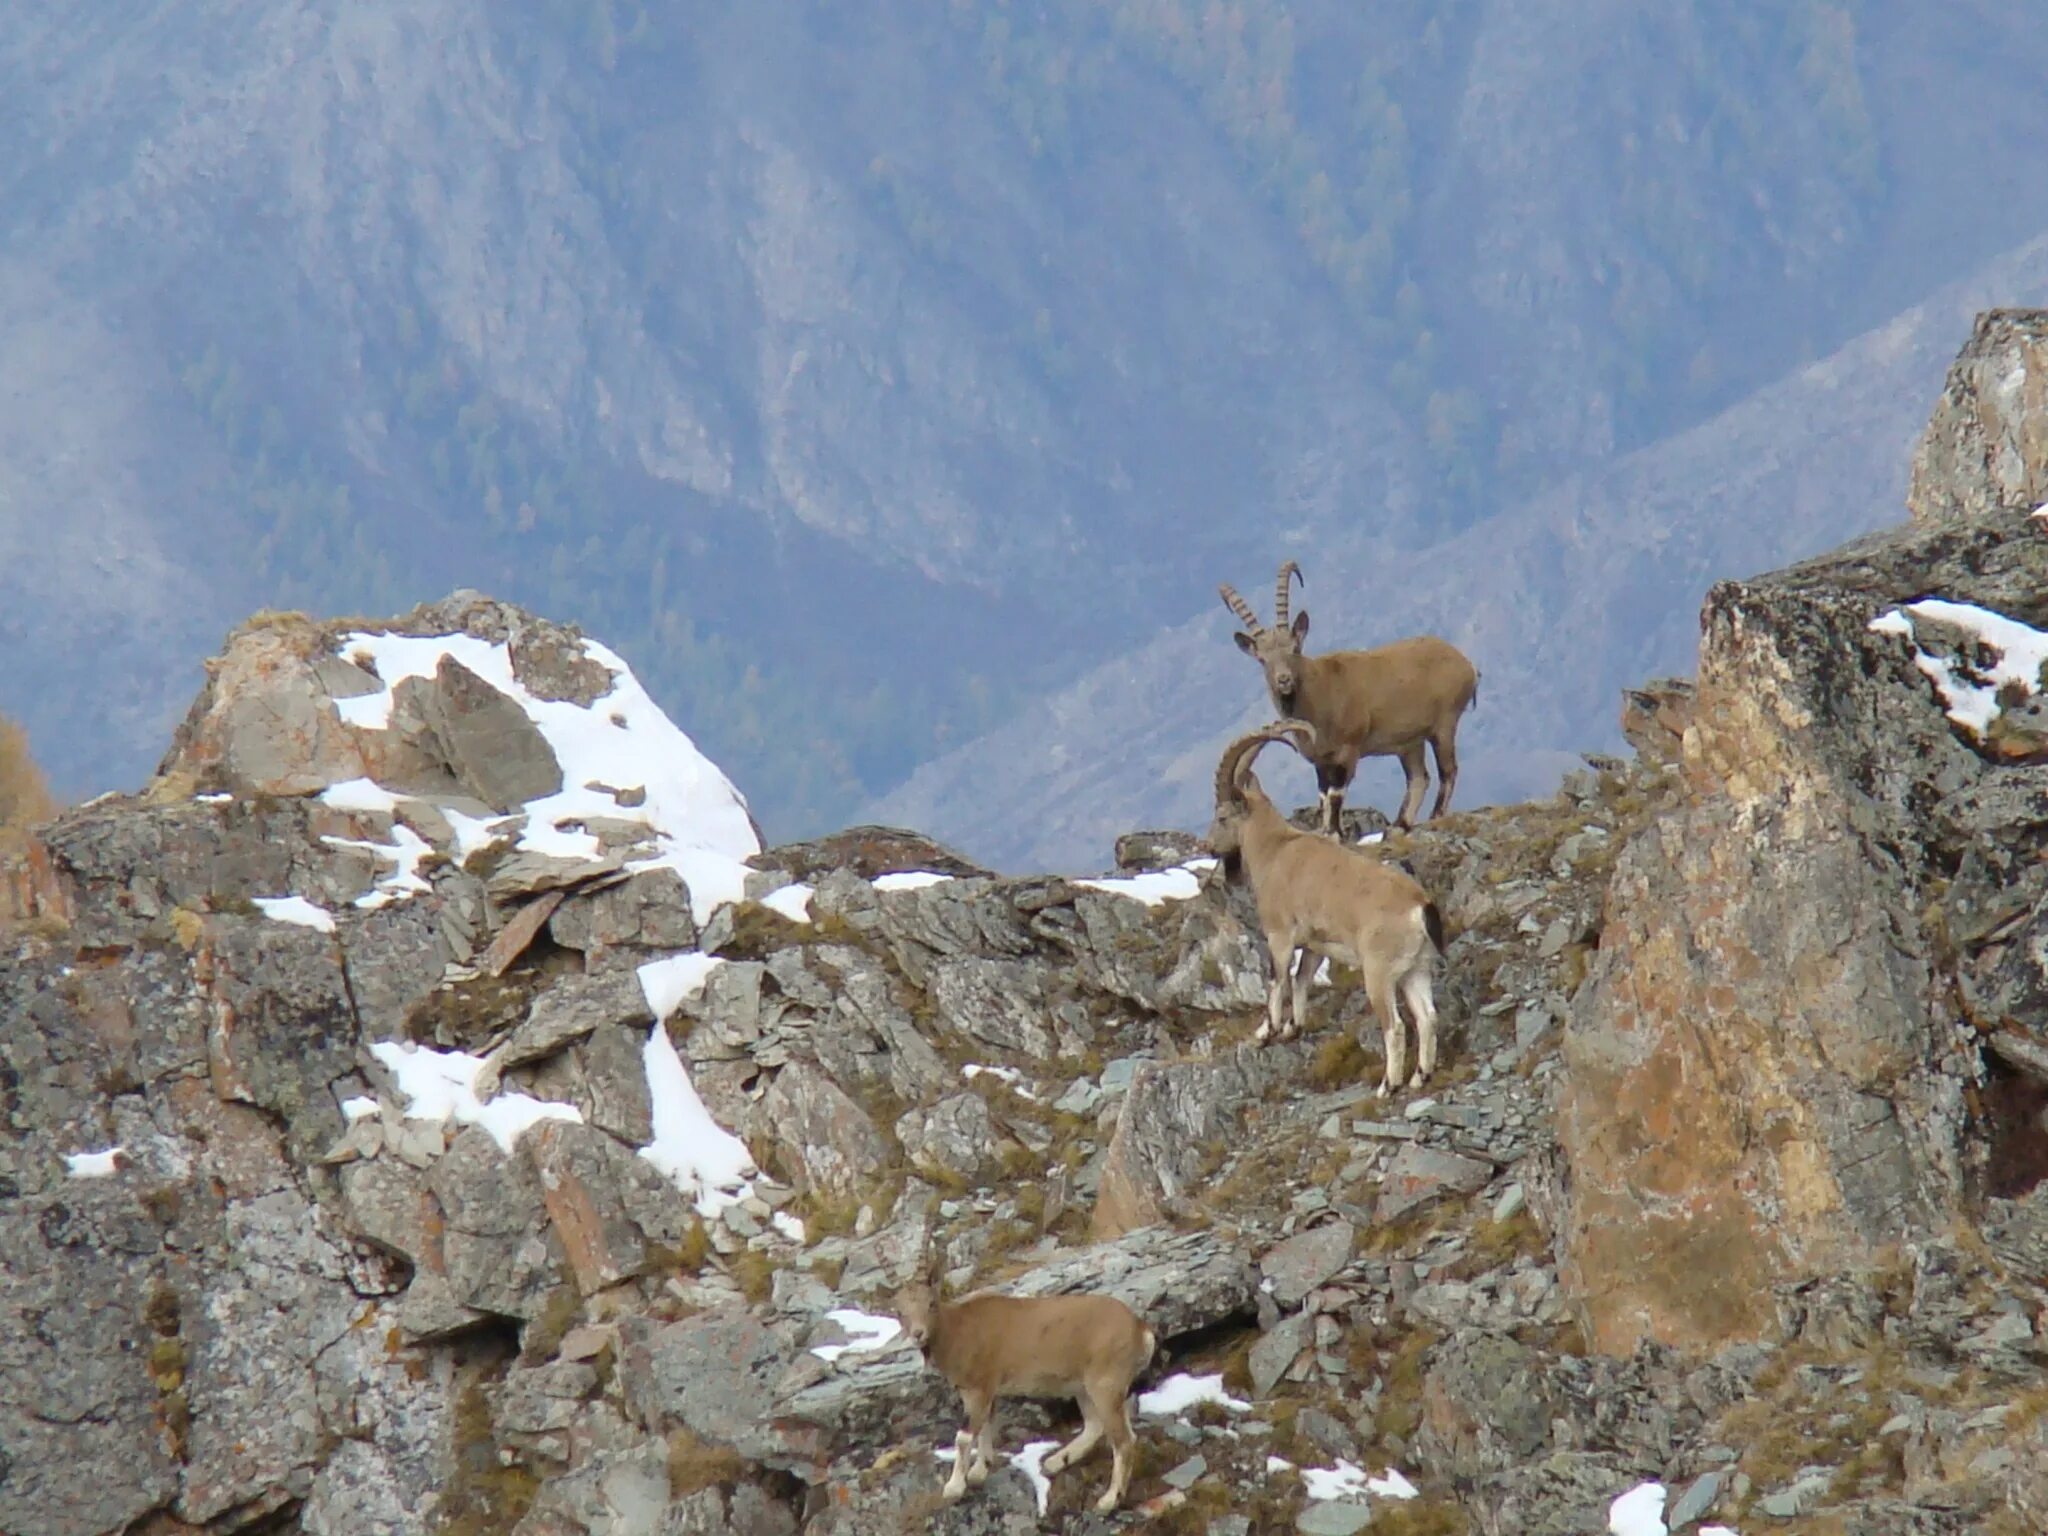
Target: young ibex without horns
(1089, 1348)
(1385, 702)
(1327, 899)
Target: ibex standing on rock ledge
(1089, 1348)
(1386, 702)
(1324, 898)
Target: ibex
(1385, 702)
(1325, 898)
(1089, 1348)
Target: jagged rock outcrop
(1986, 448)
(1775, 1070)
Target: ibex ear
(1244, 642)
(1301, 626)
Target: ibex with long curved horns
(1327, 899)
(1387, 702)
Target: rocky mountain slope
(431, 1109)
(771, 345)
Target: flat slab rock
(1420, 1174)
(1306, 1260)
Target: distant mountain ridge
(864, 378)
(1561, 602)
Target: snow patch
(1278, 1464)
(358, 1108)
(405, 851)
(668, 984)
(1180, 1392)
(1006, 1075)
(472, 832)
(1372, 837)
(866, 1333)
(439, 1085)
(1390, 1484)
(296, 910)
(359, 795)
(791, 1227)
(1639, 1512)
(218, 797)
(1031, 1461)
(1161, 885)
(908, 880)
(699, 820)
(792, 901)
(1345, 1481)
(703, 1159)
(94, 1165)
(1969, 693)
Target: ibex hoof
(1385, 1089)
(1106, 1503)
(1263, 1034)
(1417, 1080)
(954, 1491)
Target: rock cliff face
(430, 1109)
(1775, 1069)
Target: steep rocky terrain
(431, 1109)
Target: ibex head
(1238, 791)
(1277, 650)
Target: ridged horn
(1287, 568)
(1242, 609)
(1236, 759)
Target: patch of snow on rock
(1971, 697)
(699, 820)
(1180, 1392)
(1006, 1075)
(1031, 1461)
(94, 1165)
(668, 984)
(1639, 1512)
(792, 901)
(703, 1159)
(296, 910)
(358, 1108)
(1343, 1481)
(866, 1333)
(1390, 1484)
(359, 795)
(908, 880)
(440, 1085)
(1180, 883)
(405, 851)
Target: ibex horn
(1236, 760)
(1287, 568)
(1241, 608)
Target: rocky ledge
(431, 1109)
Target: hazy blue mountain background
(893, 383)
